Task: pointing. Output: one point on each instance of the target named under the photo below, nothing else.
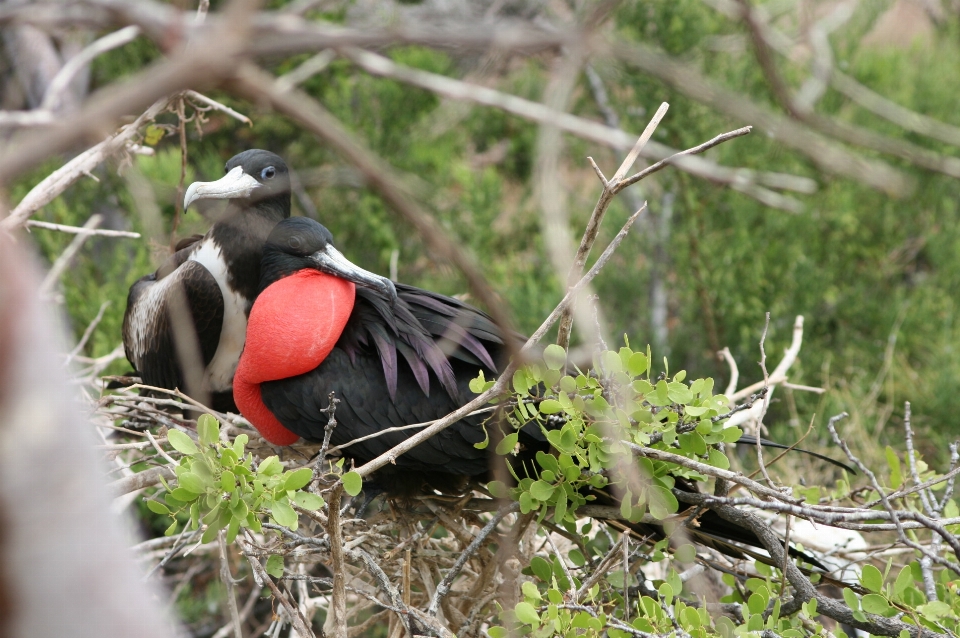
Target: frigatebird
(215, 278)
(394, 355)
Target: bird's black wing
(366, 408)
(148, 337)
(426, 331)
(397, 364)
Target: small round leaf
(352, 483)
(181, 442)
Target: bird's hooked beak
(331, 261)
(234, 184)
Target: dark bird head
(300, 243)
(254, 179)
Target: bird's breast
(218, 376)
(294, 324)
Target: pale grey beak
(331, 261)
(234, 184)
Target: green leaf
(482, 445)
(476, 385)
(661, 501)
(561, 507)
(871, 578)
(577, 558)
(896, 476)
(270, 466)
(686, 553)
(934, 610)
(228, 481)
(298, 478)
(718, 459)
(233, 528)
(182, 495)
(157, 507)
(498, 489)
(541, 490)
(527, 504)
(352, 483)
(611, 362)
(239, 443)
(208, 429)
(275, 565)
(497, 632)
(307, 501)
(284, 514)
(171, 530)
(851, 599)
(679, 393)
(666, 591)
(550, 406)
(637, 364)
(521, 382)
(530, 590)
(527, 614)
(181, 442)
(507, 443)
(541, 568)
(904, 580)
(554, 356)
(875, 604)
(732, 435)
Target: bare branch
(54, 95)
(78, 230)
(65, 260)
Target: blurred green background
(876, 278)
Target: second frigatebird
(214, 278)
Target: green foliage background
(856, 263)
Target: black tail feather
(749, 439)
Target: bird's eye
(295, 243)
(268, 172)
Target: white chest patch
(218, 376)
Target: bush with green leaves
(594, 414)
(591, 418)
(217, 486)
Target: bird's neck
(293, 326)
(240, 236)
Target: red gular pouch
(293, 326)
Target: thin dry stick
(766, 400)
(87, 333)
(610, 189)
(444, 587)
(178, 205)
(227, 579)
(61, 82)
(67, 256)
(734, 371)
(555, 222)
(260, 575)
(746, 181)
(338, 602)
(56, 182)
(78, 230)
(893, 514)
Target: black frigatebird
(393, 355)
(217, 276)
